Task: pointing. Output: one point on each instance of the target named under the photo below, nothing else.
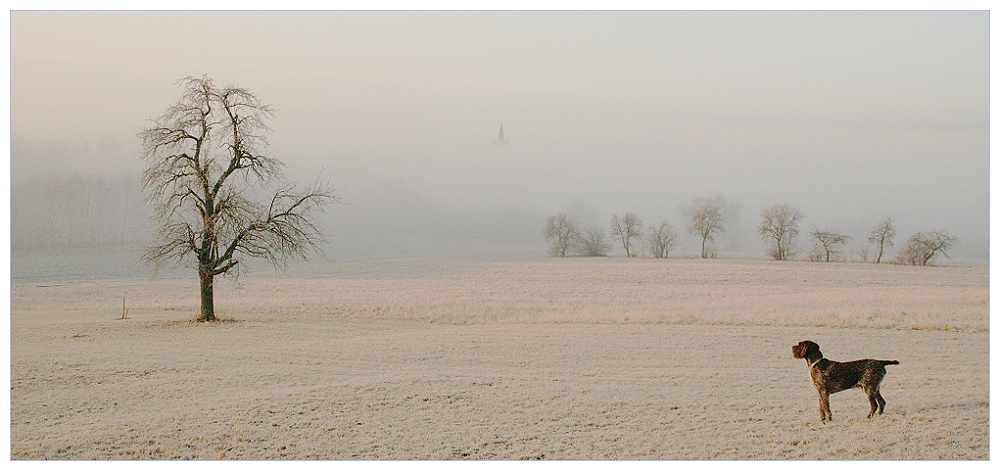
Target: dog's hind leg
(881, 401)
(873, 400)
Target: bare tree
(204, 156)
(661, 239)
(593, 244)
(780, 224)
(706, 220)
(626, 228)
(882, 234)
(828, 241)
(562, 233)
(923, 246)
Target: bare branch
(780, 224)
(706, 220)
(882, 234)
(626, 228)
(284, 230)
(921, 247)
(591, 243)
(661, 239)
(175, 241)
(828, 240)
(562, 233)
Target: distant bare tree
(780, 224)
(661, 239)
(882, 234)
(626, 228)
(204, 156)
(706, 220)
(923, 246)
(828, 241)
(562, 233)
(592, 243)
(862, 255)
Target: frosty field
(532, 358)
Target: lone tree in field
(661, 239)
(780, 225)
(562, 233)
(706, 220)
(923, 246)
(828, 241)
(592, 244)
(626, 228)
(882, 235)
(204, 157)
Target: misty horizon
(847, 116)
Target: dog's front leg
(824, 406)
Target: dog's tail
(889, 362)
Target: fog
(847, 116)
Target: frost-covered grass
(537, 358)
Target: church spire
(500, 138)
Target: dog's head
(805, 349)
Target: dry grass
(553, 359)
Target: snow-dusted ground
(534, 358)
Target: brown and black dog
(832, 376)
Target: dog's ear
(809, 347)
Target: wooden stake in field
(124, 309)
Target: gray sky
(847, 116)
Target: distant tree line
(779, 226)
(78, 212)
(566, 239)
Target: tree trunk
(207, 295)
(880, 248)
